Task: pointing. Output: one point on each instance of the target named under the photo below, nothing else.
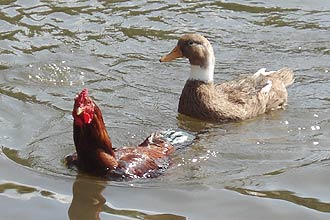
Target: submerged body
(95, 154)
(235, 100)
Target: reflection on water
(25, 192)
(88, 202)
(311, 203)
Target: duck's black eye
(190, 42)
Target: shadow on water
(289, 196)
(87, 196)
(192, 124)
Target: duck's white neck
(201, 73)
(204, 74)
(205, 71)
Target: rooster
(96, 155)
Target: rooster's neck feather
(89, 137)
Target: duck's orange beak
(175, 53)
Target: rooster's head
(83, 109)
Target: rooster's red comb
(83, 109)
(82, 95)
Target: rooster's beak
(79, 110)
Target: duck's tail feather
(286, 75)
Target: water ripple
(50, 50)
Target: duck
(96, 155)
(240, 99)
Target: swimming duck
(96, 155)
(240, 99)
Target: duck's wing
(243, 90)
(258, 93)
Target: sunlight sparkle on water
(316, 127)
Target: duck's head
(200, 53)
(83, 109)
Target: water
(275, 166)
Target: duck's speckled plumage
(240, 99)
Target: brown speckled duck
(240, 99)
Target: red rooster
(95, 154)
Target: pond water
(276, 166)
